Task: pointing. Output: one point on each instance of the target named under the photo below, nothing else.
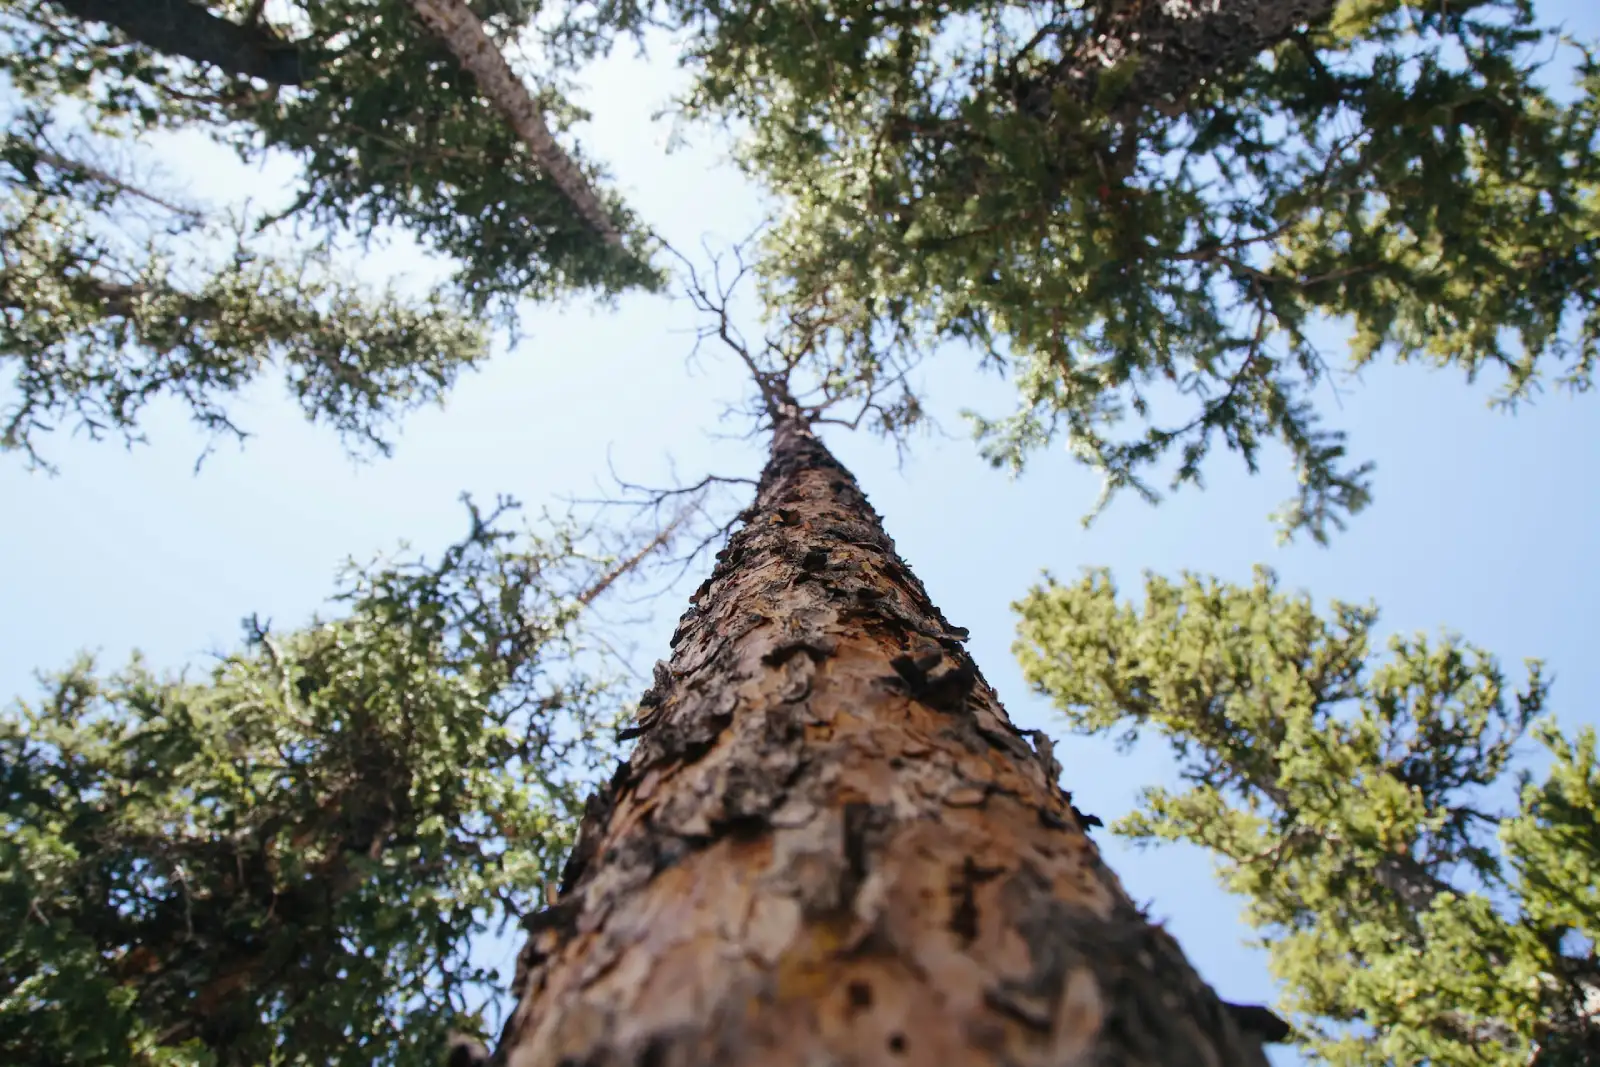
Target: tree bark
(831, 846)
(453, 22)
(186, 28)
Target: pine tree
(115, 292)
(1144, 213)
(287, 860)
(831, 845)
(1355, 803)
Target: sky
(1483, 523)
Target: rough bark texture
(453, 22)
(185, 28)
(832, 847)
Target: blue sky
(1483, 523)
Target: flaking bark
(831, 846)
(453, 22)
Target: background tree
(112, 297)
(101, 314)
(1354, 801)
(284, 862)
(1142, 211)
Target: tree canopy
(1143, 210)
(1143, 213)
(112, 295)
(1354, 801)
(283, 862)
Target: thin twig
(67, 165)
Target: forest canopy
(1423, 898)
(115, 292)
(1159, 219)
(286, 860)
(1160, 222)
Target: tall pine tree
(831, 845)
(1419, 908)
(290, 859)
(115, 292)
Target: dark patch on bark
(655, 1052)
(558, 916)
(741, 826)
(913, 670)
(947, 690)
(816, 646)
(864, 827)
(596, 813)
(1086, 821)
(964, 905)
(860, 995)
(682, 742)
(858, 535)
(929, 677)
(666, 850)
(814, 559)
(751, 793)
(1006, 740)
(658, 687)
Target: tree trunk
(1177, 45)
(454, 23)
(186, 28)
(832, 847)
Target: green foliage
(282, 863)
(1147, 244)
(391, 131)
(108, 300)
(1349, 799)
(112, 297)
(387, 127)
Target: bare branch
(104, 177)
(632, 563)
(808, 367)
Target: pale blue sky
(1483, 522)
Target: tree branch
(185, 28)
(1173, 48)
(626, 566)
(89, 171)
